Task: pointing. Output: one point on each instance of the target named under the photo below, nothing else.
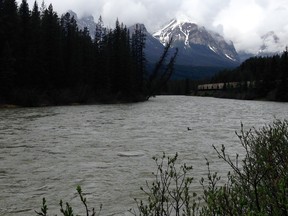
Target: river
(108, 149)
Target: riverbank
(32, 99)
(8, 106)
(241, 95)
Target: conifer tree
(100, 32)
(52, 53)
(9, 22)
(23, 52)
(42, 55)
(37, 73)
(70, 49)
(7, 73)
(2, 33)
(282, 93)
(9, 26)
(138, 46)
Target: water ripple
(107, 149)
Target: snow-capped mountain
(198, 46)
(201, 52)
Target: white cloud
(242, 21)
(202, 11)
(245, 21)
(135, 11)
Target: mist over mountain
(198, 46)
(271, 46)
(85, 21)
(201, 52)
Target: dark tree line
(47, 60)
(264, 76)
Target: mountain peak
(189, 37)
(174, 23)
(197, 46)
(180, 29)
(184, 19)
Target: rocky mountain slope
(198, 46)
(201, 52)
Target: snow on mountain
(201, 52)
(188, 36)
(164, 34)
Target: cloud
(202, 11)
(245, 21)
(133, 12)
(242, 21)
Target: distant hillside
(256, 78)
(202, 53)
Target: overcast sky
(242, 21)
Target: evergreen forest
(258, 78)
(47, 60)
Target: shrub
(68, 210)
(169, 193)
(257, 186)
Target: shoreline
(101, 102)
(9, 106)
(238, 95)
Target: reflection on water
(107, 149)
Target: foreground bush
(169, 193)
(256, 185)
(68, 210)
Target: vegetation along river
(107, 149)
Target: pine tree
(23, 52)
(41, 54)
(7, 73)
(100, 32)
(86, 52)
(70, 50)
(51, 48)
(2, 25)
(138, 46)
(282, 93)
(38, 76)
(103, 65)
(9, 24)
(115, 58)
